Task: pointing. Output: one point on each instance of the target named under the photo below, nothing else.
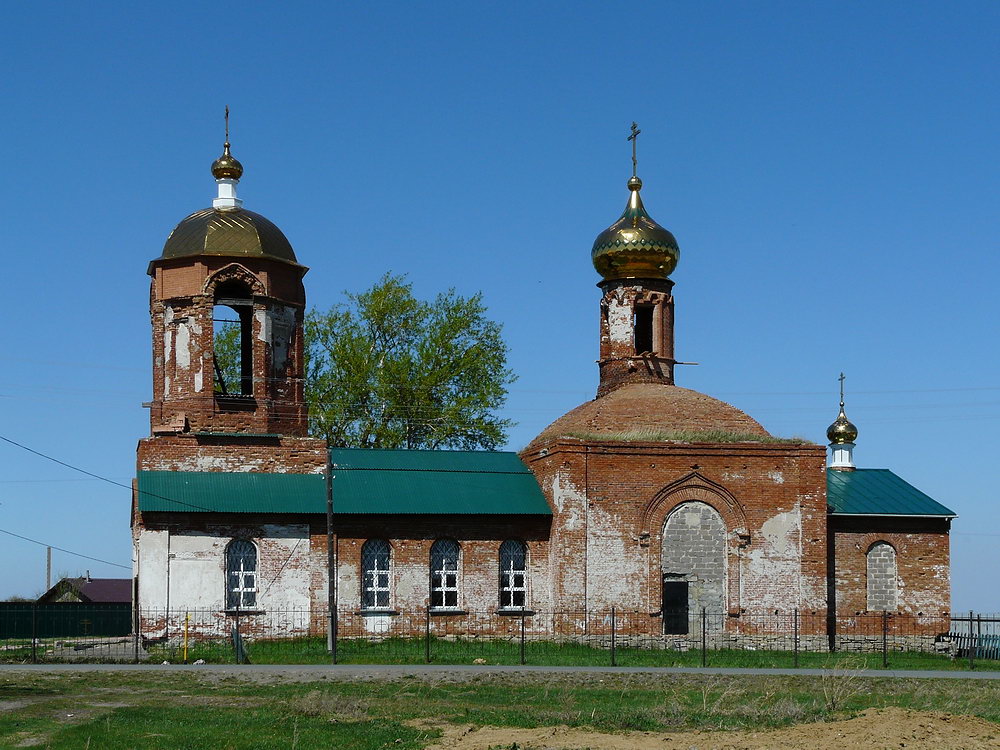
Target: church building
(652, 499)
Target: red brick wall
(188, 452)
(922, 562)
(610, 501)
(181, 311)
(411, 538)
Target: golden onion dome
(227, 166)
(842, 430)
(635, 246)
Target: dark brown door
(675, 607)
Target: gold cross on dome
(634, 137)
(841, 379)
(227, 124)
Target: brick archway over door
(695, 487)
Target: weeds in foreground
(842, 682)
(168, 710)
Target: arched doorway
(693, 564)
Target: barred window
(444, 573)
(376, 556)
(241, 575)
(513, 574)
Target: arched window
(232, 342)
(376, 556)
(444, 573)
(513, 574)
(882, 587)
(241, 575)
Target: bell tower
(226, 307)
(635, 257)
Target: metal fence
(76, 632)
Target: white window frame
(370, 584)
(241, 593)
(509, 588)
(440, 574)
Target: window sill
(446, 611)
(378, 612)
(515, 612)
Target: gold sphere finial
(842, 430)
(227, 167)
(634, 183)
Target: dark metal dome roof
(232, 232)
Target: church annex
(651, 499)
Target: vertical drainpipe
(166, 609)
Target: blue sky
(829, 169)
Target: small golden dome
(842, 430)
(227, 166)
(635, 246)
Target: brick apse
(652, 499)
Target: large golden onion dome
(227, 166)
(635, 246)
(842, 430)
(233, 232)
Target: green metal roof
(365, 481)
(231, 492)
(447, 482)
(877, 492)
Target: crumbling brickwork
(411, 538)
(182, 299)
(921, 547)
(611, 502)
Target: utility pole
(48, 568)
(331, 570)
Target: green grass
(249, 727)
(542, 653)
(193, 710)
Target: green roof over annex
(878, 492)
(365, 482)
(434, 482)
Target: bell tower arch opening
(642, 329)
(232, 339)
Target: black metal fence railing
(79, 632)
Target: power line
(68, 552)
(103, 479)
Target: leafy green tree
(226, 340)
(386, 370)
